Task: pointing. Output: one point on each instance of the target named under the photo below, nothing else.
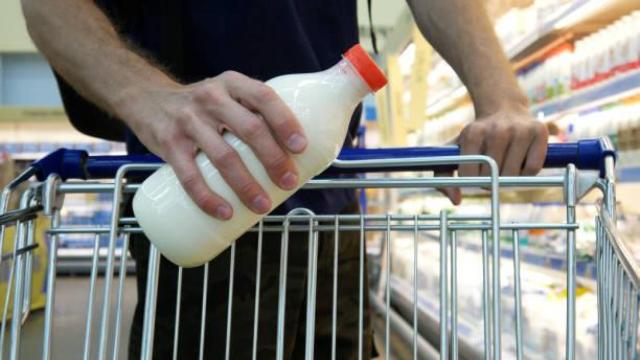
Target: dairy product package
(323, 103)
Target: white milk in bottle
(323, 103)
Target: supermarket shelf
(579, 16)
(534, 40)
(575, 16)
(457, 94)
(615, 88)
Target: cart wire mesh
(617, 274)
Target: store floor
(69, 320)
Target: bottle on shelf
(611, 51)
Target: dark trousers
(241, 339)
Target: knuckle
(278, 161)
(473, 136)
(248, 189)
(209, 93)
(466, 134)
(231, 75)
(215, 95)
(478, 130)
(534, 126)
(184, 115)
(254, 128)
(465, 130)
(462, 137)
(264, 93)
(284, 125)
(521, 134)
(201, 92)
(503, 133)
(529, 131)
(203, 200)
(167, 139)
(225, 157)
(190, 182)
(503, 126)
(531, 127)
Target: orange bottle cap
(366, 67)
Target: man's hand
(460, 30)
(172, 120)
(177, 121)
(516, 141)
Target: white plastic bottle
(323, 103)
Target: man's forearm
(173, 120)
(82, 45)
(460, 30)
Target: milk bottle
(323, 103)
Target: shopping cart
(67, 172)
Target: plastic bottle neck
(346, 80)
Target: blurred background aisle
(578, 61)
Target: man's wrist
(513, 101)
(130, 103)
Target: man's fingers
(518, 147)
(183, 163)
(263, 99)
(231, 167)
(516, 154)
(253, 130)
(537, 152)
(470, 144)
(496, 146)
(453, 193)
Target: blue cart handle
(77, 164)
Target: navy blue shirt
(259, 38)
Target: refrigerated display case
(578, 63)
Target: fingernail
(289, 180)
(223, 212)
(261, 204)
(296, 142)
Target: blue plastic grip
(588, 154)
(66, 163)
(77, 164)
